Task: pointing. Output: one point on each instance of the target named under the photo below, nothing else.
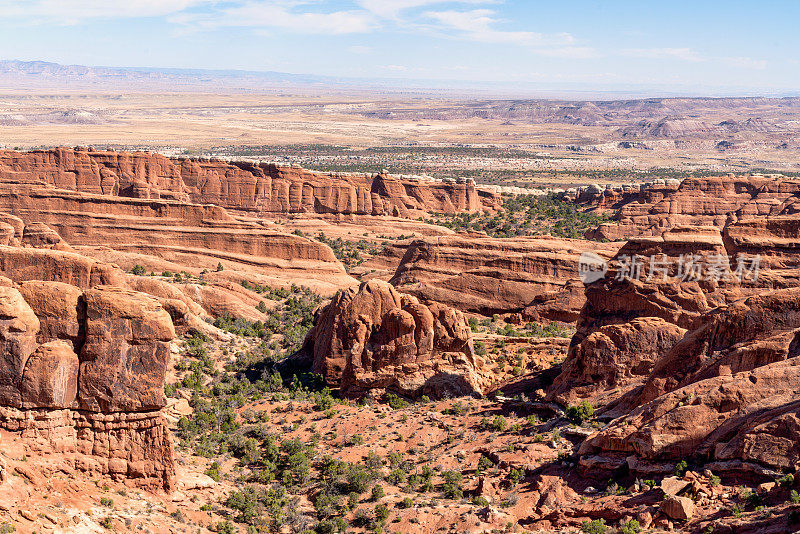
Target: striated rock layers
(195, 235)
(376, 338)
(652, 208)
(83, 375)
(537, 277)
(239, 186)
(703, 369)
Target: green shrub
(631, 527)
(598, 526)
(515, 476)
(452, 491)
(484, 463)
(395, 402)
(681, 468)
(580, 413)
(377, 492)
(213, 471)
(396, 477)
(381, 512)
(138, 270)
(363, 519)
(473, 324)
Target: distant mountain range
(43, 74)
(55, 73)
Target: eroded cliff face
(693, 368)
(536, 277)
(239, 186)
(83, 375)
(652, 208)
(162, 233)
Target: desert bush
(597, 526)
(580, 413)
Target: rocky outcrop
(629, 322)
(703, 369)
(18, 328)
(537, 277)
(373, 337)
(83, 374)
(746, 421)
(239, 186)
(650, 209)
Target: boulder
(678, 508)
(673, 485)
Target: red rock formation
(239, 186)
(635, 322)
(125, 352)
(705, 369)
(711, 201)
(83, 372)
(535, 276)
(18, 328)
(376, 338)
(51, 376)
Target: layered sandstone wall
(536, 276)
(240, 186)
(650, 209)
(83, 374)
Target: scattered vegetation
(525, 215)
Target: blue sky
(610, 44)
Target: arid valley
(242, 302)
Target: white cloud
(71, 11)
(569, 52)
(745, 62)
(358, 49)
(392, 8)
(479, 25)
(285, 14)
